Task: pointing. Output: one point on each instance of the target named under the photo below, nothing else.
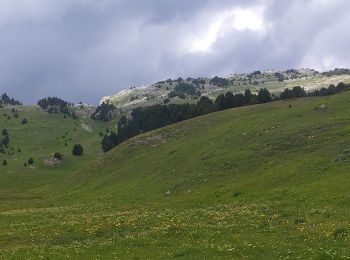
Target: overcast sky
(81, 50)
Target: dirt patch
(86, 127)
(52, 161)
(154, 139)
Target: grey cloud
(82, 50)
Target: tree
(58, 156)
(104, 112)
(5, 99)
(220, 102)
(205, 105)
(219, 81)
(247, 96)
(5, 140)
(5, 132)
(4, 163)
(264, 96)
(77, 150)
(286, 94)
(107, 143)
(298, 92)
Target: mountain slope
(274, 81)
(264, 181)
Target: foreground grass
(261, 182)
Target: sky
(81, 50)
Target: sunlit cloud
(239, 19)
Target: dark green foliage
(31, 161)
(4, 163)
(264, 96)
(53, 102)
(6, 100)
(219, 81)
(104, 112)
(24, 121)
(256, 73)
(173, 94)
(229, 100)
(58, 155)
(330, 90)
(279, 76)
(336, 71)
(247, 96)
(296, 92)
(340, 232)
(182, 89)
(5, 141)
(205, 105)
(109, 141)
(4, 132)
(77, 150)
(185, 88)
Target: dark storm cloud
(83, 49)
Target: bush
(340, 232)
(104, 112)
(77, 150)
(5, 132)
(58, 156)
(5, 141)
(24, 121)
(31, 161)
(4, 163)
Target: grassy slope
(257, 182)
(39, 139)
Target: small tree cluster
(6, 100)
(104, 112)
(77, 150)
(219, 81)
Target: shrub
(77, 150)
(58, 155)
(5, 141)
(24, 121)
(340, 232)
(4, 163)
(5, 132)
(31, 161)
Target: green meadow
(260, 182)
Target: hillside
(260, 182)
(275, 81)
(39, 138)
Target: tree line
(6, 100)
(56, 105)
(144, 119)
